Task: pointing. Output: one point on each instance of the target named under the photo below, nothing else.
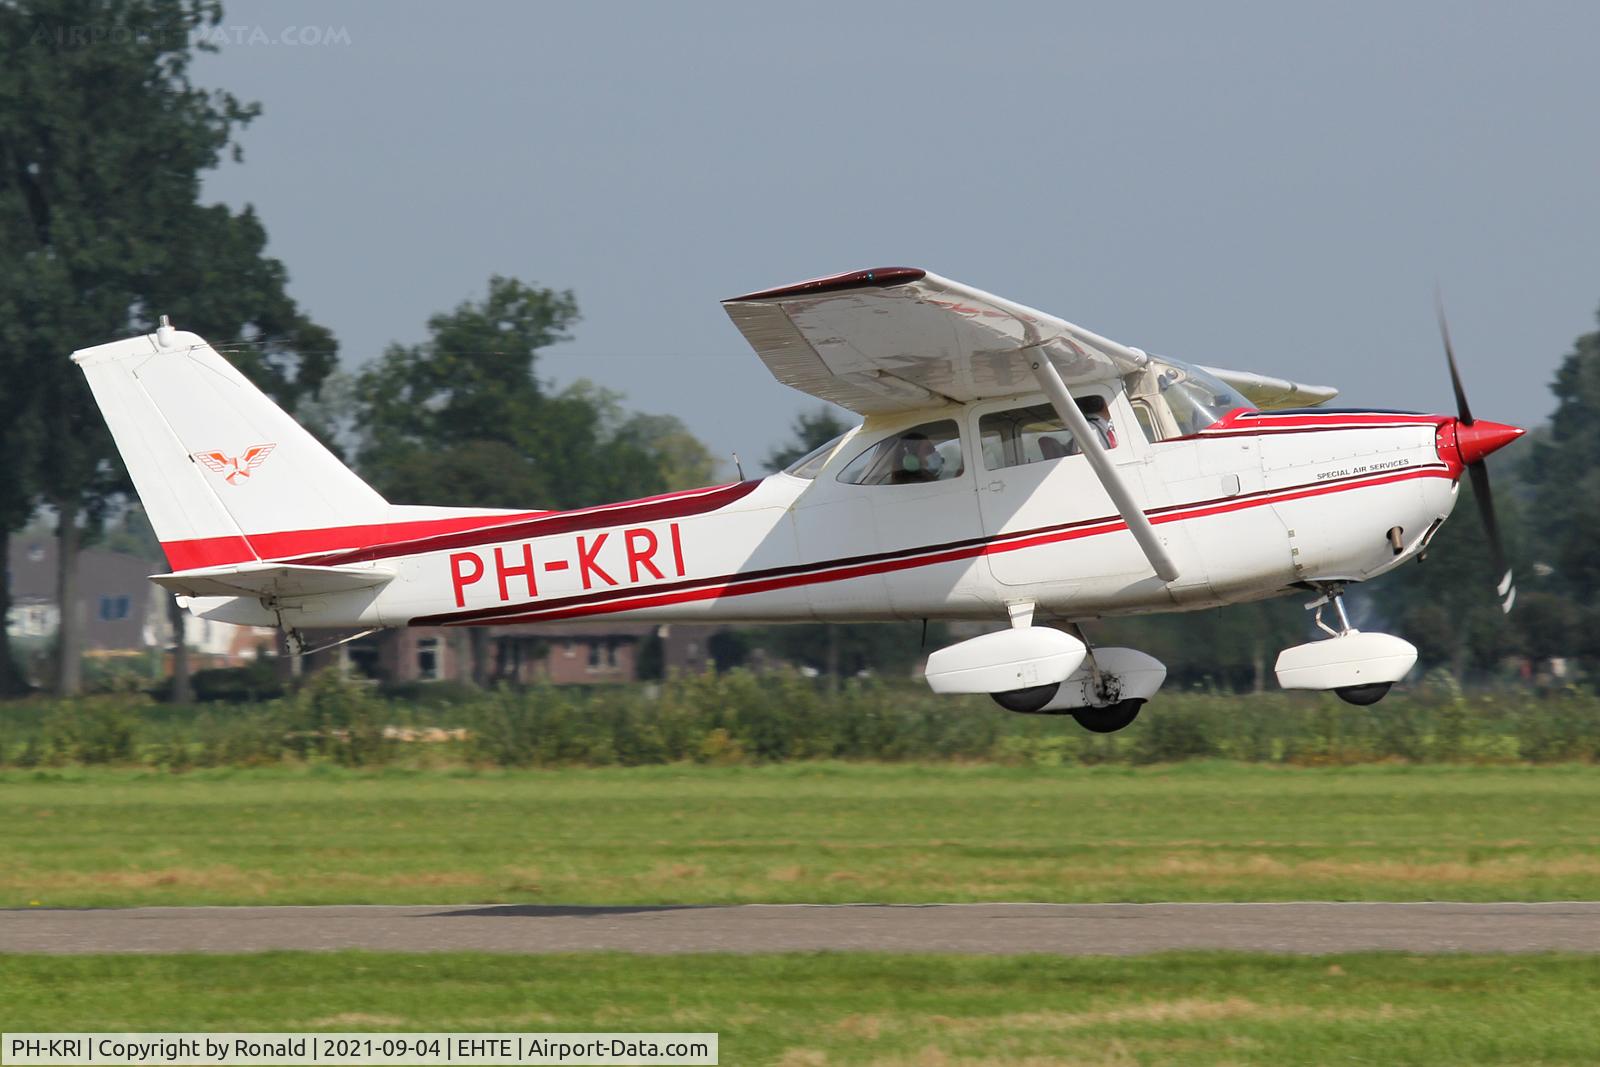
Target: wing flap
(277, 581)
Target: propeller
(1475, 439)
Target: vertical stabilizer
(216, 462)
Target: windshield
(810, 464)
(1195, 397)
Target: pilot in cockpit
(1099, 415)
(917, 460)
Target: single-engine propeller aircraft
(1011, 467)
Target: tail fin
(225, 475)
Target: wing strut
(1110, 479)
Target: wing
(902, 339)
(1269, 393)
(214, 460)
(256, 455)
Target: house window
(427, 659)
(113, 608)
(603, 654)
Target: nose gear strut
(1359, 668)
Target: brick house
(575, 653)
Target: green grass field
(814, 832)
(820, 1010)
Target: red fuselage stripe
(843, 570)
(358, 544)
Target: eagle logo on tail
(236, 469)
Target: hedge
(748, 718)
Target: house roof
(32, 564)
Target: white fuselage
(1247, 508)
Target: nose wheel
(1359, 668)
(1361, 696)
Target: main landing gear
(1036, 700)
(1358, 667)
(1104, 693)
(1041, 670)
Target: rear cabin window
(1036, 434)
(927, 453)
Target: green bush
(1564, 726)
(338, 718)
(91, 730)
(1188, 734)
(238, 685)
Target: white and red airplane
(1012, 467)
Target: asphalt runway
(1062, 929)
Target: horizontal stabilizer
(278, 581)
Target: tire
(1364, 695)
(1029, 700)
(1109, 719)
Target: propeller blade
(1462, 409)
(1491, 529)
(1479, 473)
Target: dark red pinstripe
(884, 563)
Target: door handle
(996, 486)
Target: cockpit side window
(930, 452)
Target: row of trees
(104, 140)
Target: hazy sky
(1275, 187)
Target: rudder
(218, 465)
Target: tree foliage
(1562, 471)
(463, 419)
(811, 430)
(103, 140)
